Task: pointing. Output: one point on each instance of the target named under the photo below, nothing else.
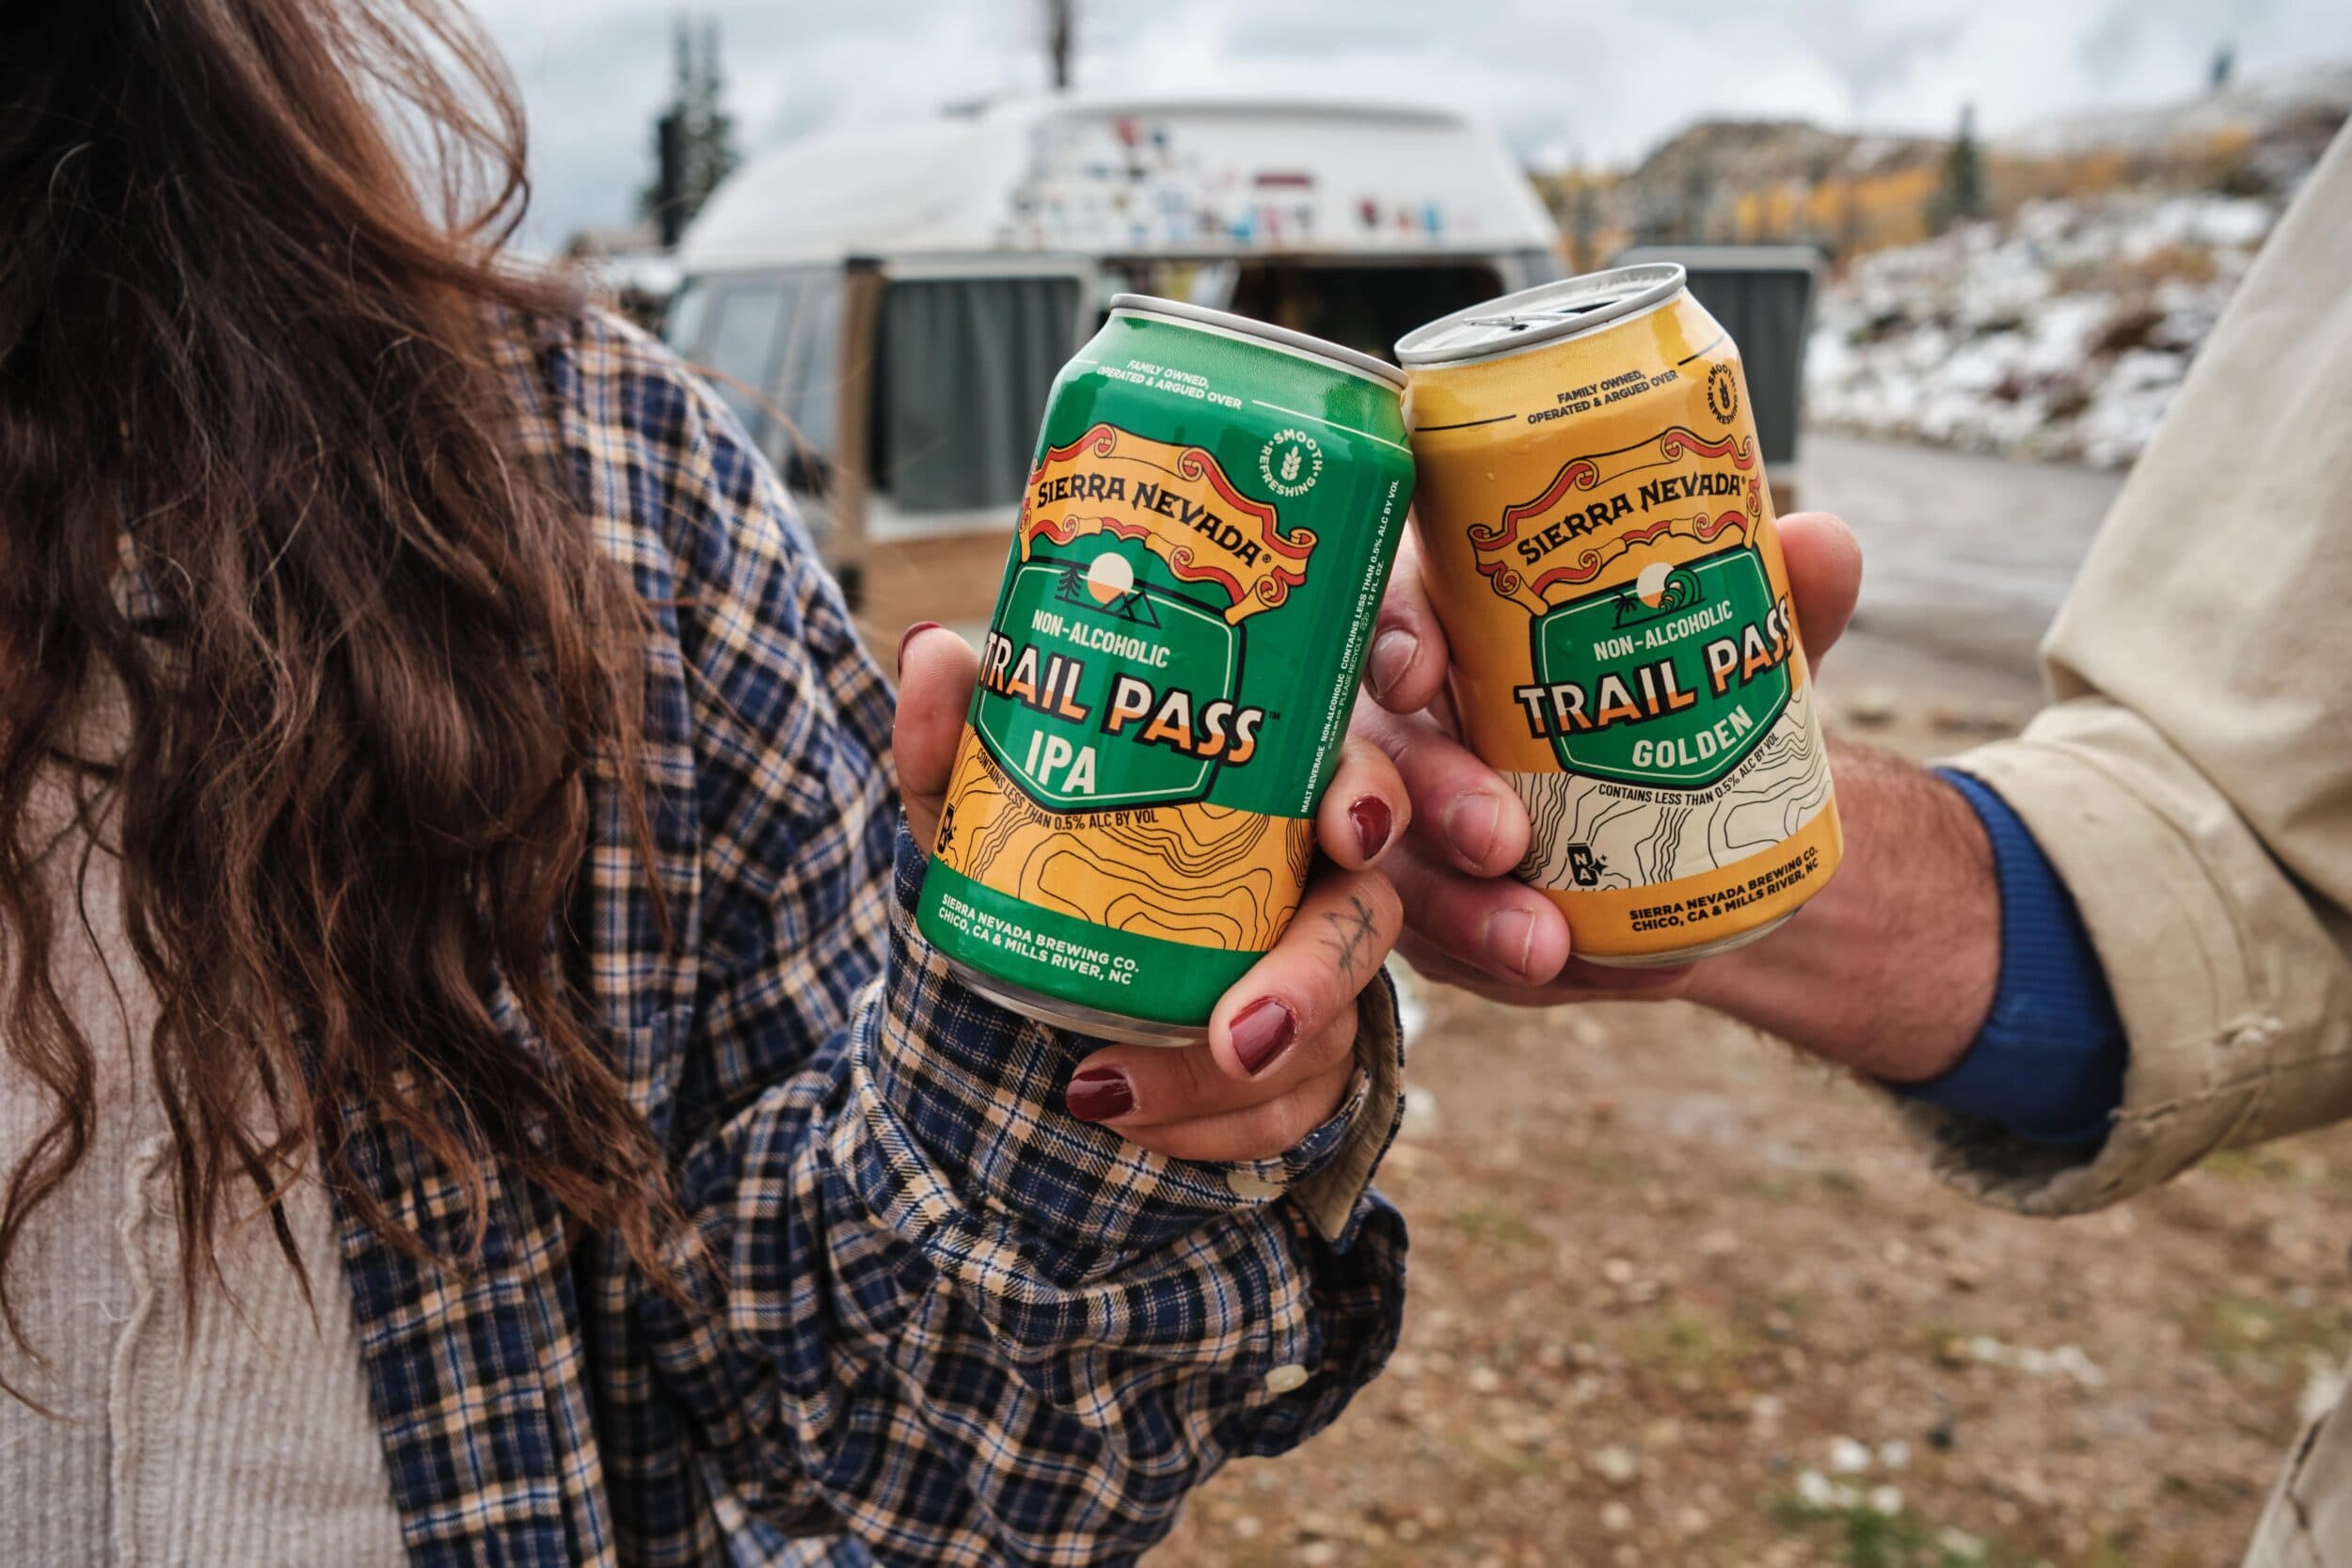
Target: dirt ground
(1678, 1297)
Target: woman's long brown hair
(248, 300)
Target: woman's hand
(1280, 1052)
(1473, 926)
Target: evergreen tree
(693, 137)
(1961, 194)
(1061, 36)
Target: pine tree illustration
(1290, 466)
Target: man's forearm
(1892, 969)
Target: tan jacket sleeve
(2192, 780)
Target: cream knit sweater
(249, 1441)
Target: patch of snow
(2061, 333)
(2066, 1361)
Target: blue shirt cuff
(2049, 1064)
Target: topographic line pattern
(1205, 875)
(1640, 837)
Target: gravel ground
(1680, 1297)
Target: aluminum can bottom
(1079, 1020)
(1686, 955)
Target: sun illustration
(1110, 577)
(1651, 584)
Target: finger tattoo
(1352, 932)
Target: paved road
(1964, 560)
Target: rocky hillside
(2060, 324)
(2062, 332)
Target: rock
(1615, 1517)
(1421, 1122)
(1616, 1465)
(1887, 1500)
(1869, 706)
(1957, 1543)
(1972, 721)
(1618, 1271)
(1848, 1457)
(1817, 1492)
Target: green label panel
(1667, 682)
(1109, 689)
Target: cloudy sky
(1564, 80)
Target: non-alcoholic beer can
(1206, 531)
(1596, 536)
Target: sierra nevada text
(1157, 498)
(1570, 526)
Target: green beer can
(1206, 531)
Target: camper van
(886, 308)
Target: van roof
(1099, 176)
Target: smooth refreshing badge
(1658, 649)
(1115, 677)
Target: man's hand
(1280, 1052)
(1890, 969)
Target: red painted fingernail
(910, 635)
(1372, 819)
(1263, 1031)
(1100, 1094)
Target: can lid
(1344, 358)
(1546, 313)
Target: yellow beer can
(1596, 536)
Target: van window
(963, 370)
(742, 341)
(682, 323)
(1367, 308)
(806, 389)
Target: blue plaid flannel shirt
(942, 1321)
